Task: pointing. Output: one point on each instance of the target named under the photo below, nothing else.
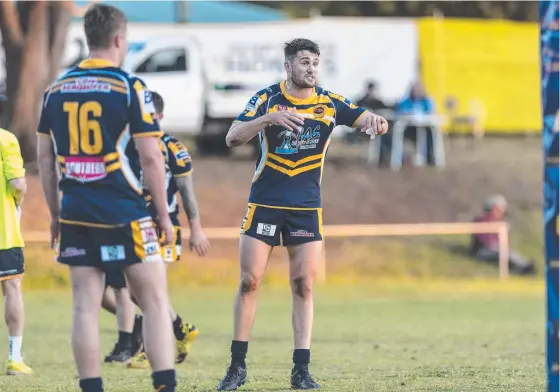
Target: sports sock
(164, 380)
(238, 352)
(15, 348)
(178, 328)
(301, 358)
(125, 339)
(91, 385)
(137, 324)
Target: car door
(174, 72)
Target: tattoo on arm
(186, 189)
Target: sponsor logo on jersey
(301, 233)
(266, 229)
(112, 253)
(85, 85)
(305, 139)
(149, 102)
(252, 104)
(85, 169)
(183, 155)
(284, 108)
(319, 111)
(149, 234)
(72, 252)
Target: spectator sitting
(485, 247)
(371, 100)
(418, 103)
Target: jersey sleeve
(141, 122)
(10, 153)
(347, 113)
(255, 108)
(44, 125)
(179, 158)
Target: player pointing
(285, 201)
(96, 123)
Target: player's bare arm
(241, 132)
(372, 123)
(154, 174)
(198, 240)
(18, 187)
(49, 179)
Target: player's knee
(153, 297)
(302, 287)
(248, 284)
(11, 288)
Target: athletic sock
(164, 380)
(91, 385)
(137, 324)
(301, 358)
(15, 348)
(125, 340)
(238, 353)
(178, 328)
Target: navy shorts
(11, 263)
(276, 225)
(109, 248)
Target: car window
(165, 60)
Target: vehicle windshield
(133, 49)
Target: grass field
(451, 336)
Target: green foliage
(514, 10)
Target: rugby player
(293, 120)
(12, 190)
(96, 123)
(179, 169)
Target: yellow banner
(491, 67)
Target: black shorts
(109, 248)
(11, 263)
(114, 277)
(275, 225)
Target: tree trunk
(33, 37)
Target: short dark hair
(294, 46)
(101, 22)
(158, 102)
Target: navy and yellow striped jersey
(178, 163)
(290, 164)
(92, 113)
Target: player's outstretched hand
(375, 125)
(55, 232)
(166, 228)
(199, 242)
(286, 119)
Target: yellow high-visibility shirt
(11, 167)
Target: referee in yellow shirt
(12, 189)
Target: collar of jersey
(297, 101)
(96, 63)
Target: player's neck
(297, 92)
(104, 55)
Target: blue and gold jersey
(178, 163)
(290, 164)
(92, 113)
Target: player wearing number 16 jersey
(96, 124)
